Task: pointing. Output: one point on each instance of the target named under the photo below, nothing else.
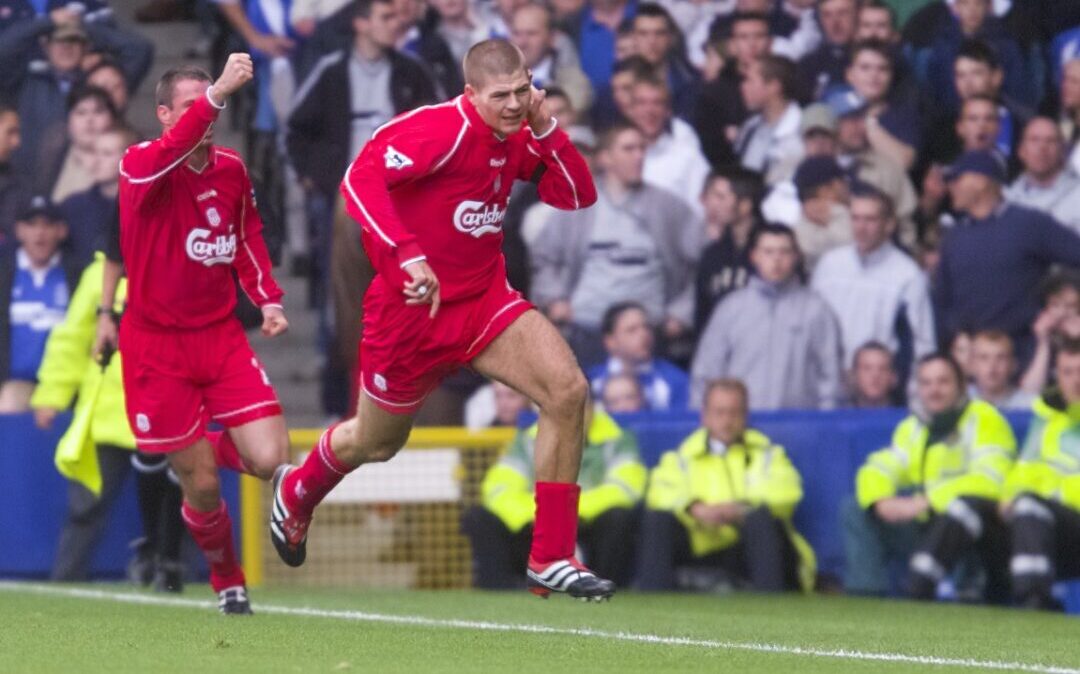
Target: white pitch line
(484, 626)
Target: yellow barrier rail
(253, 528)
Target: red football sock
(555, 530)
(307, 485)
(226, 455)
(213, 533)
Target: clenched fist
(238, 71)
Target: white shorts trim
(266, 403)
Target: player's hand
(44, 417)
(238, 71)
(423, 288)
(107, 337)
(539, 112)
(1005, 509)
(274, 321)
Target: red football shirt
(434, 184)
(183, 231)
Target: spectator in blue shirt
(824, 67)
(659, 42)
(596, 38)
(973, 19)
(993, 261)
(892, 123)
(629, 342)
(35, 284)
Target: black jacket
(320, 124)
(72, 271)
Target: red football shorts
(176, 382)
(404, 353)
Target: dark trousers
(500, 556)
(87, 515)
(1045, 546)
(970, 528)
(763, 556)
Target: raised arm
(561, 175)
(144, 164)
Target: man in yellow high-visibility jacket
(951, 456)
(1041, 502)
(68, 372)
(612, 481)
(725, 499)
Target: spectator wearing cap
(977, 129)
(673, 157)
(720, 108)
(769, 141)
(873, 287)
(824, 66)
(36, 280)
(817, 128)
(892, 125)
(824, 222)
(1045, 184)
(731, 217)
(640, 242)
(872, 379)
(41, 89)
(12, 182)
(533, 31)
(629, 343)
(993, 261)
(775, 334)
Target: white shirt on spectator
(1013, 401)
(774, 150)
(676, 163)
(1060, 200)
(867, 293)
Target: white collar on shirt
(22, 260)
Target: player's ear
(164, 115)
(471, 93)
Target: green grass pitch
(100, 628)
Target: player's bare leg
(260, 446)
(207, 518)
(372, 436)
(551, 377)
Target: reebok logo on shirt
(204, 250)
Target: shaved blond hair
(491, 58)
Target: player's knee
(263, 464)
(570, 390)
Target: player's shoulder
(230, 161)
(426, 122)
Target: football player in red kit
(187, 220)
(430, 191)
